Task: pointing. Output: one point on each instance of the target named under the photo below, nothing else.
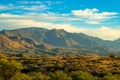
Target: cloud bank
(103, 32)
(93, 16)
(51, 20)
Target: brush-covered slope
(8, 43)
(56, 38)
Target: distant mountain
(44, 39)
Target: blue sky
(99, 18)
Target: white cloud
(33, 8)
(103, 32)
(92, 22)
(2, 7)
(39, 2)
(6, 7)
(45, 20)
(43, 5)
(43, 16)
(87, 16)
(29, 2)
(2, 15)
(35, 5)
(93, 14)
(23, 7)
(52, 3)
(32, 23)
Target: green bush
(111, 77)
(21, 76)
(39, 76)
(9, 68)
(60, 75)
(80, 75)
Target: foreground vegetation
(70, 67)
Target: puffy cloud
(93, 14)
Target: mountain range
(55, 42)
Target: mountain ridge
(42, 38)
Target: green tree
(60, 75)
(9, 68)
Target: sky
(98, 18)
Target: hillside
(44, 39)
